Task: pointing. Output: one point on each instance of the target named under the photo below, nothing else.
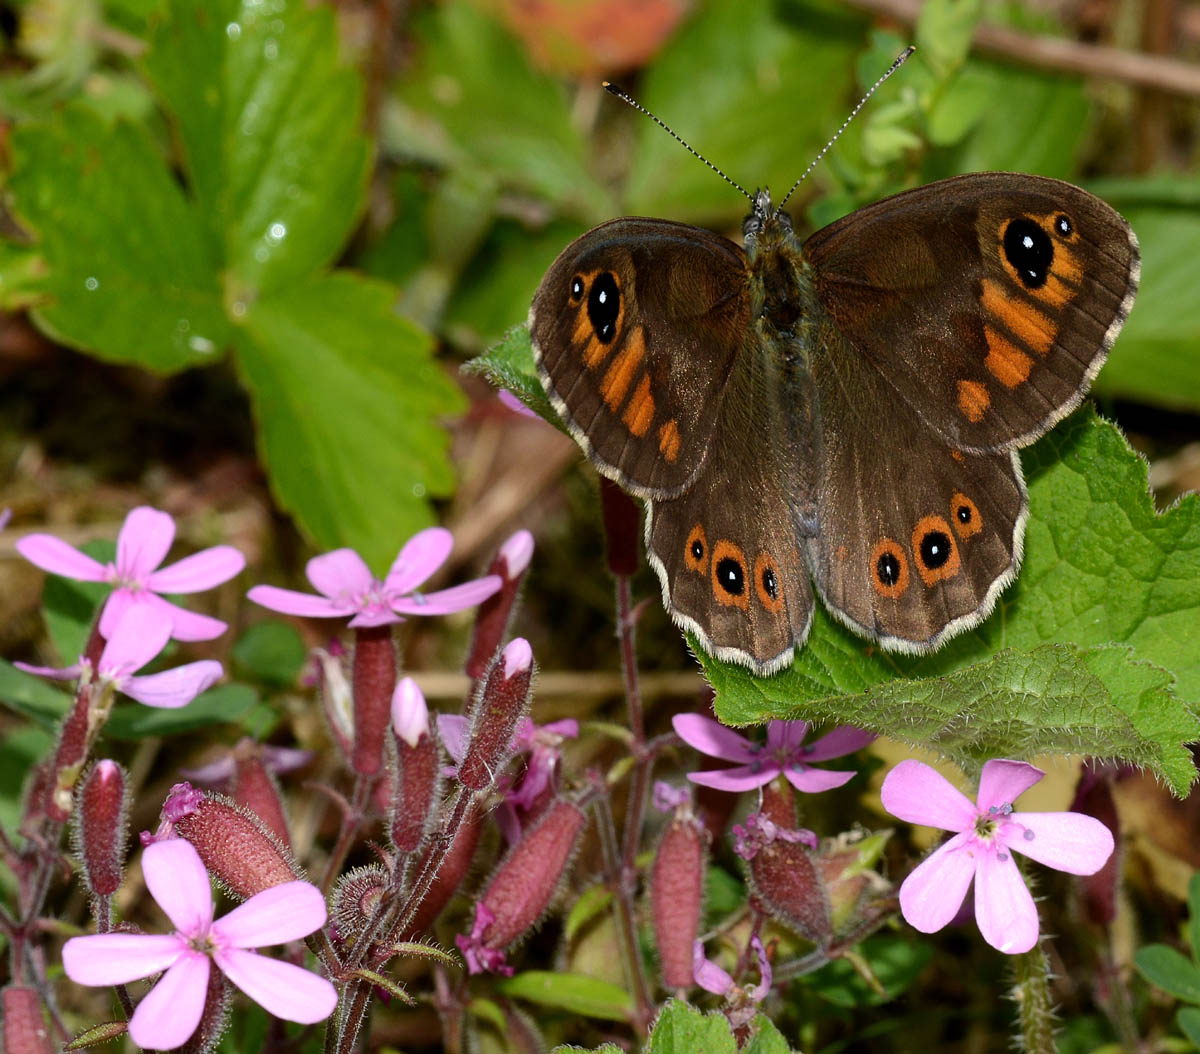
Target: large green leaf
(347, 399)
(577, 993)
(128, 274)
(270, 123)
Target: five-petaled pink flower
(171, 1010)
(784, 752)
(138, 637)
(142, 545)
(986, 834)
(346, 586)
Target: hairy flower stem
(348, 832)
(1035, 1008)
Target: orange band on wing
(1005, 361)
(1033, 329)
(668, 441)
(640, 411)
(973, 400)
(624, 368)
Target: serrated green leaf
(1189, 1022)
(270, 123)
(347, 397)
(682, 1029)
(896, 963)
(509, 364)
(1100, 566)
(766, 1038)
(271, 652)
(472, 100)
(130, 277)
(771, 93)
(1171, 971)
(97, 1034)
(224, 703)
(575, 993)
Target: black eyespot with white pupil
(1030, 252)
(731, 577)
(770, 584)
(577, 288)
(963, 512)
(935, 548)
(604, 306)
(697, 550)
(1063, 225)
(887, 567)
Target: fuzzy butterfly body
(842, 414)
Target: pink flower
(171, 1010)
(346, 586)
(142, 544)
(784, 752)
(986, 833)
(138, 637)
(410, 712)
(713, 978)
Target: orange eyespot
(768, 585)
(964, 514)
(695, 550)
(889, 568)
(729, 576)
(935, 550)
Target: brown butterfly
(844, 412)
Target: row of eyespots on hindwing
(729, 575)
(933, 547)
(1037, 258)
(599, 303)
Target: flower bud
(256, 789)
(495, 613)
(622, 528)
(25, 1030)
(235, 845)
(860, 899)
(455, 863)
(414, 789)
(522, 887)
(786, 881)
(355, 899)
(374, 678)
(100, 827)
(676, 897)
(410, 713)
(336, 698)
(502, 703)
(71, 754)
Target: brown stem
(348, 832)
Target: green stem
(1035, 1007)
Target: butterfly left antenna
(612, 89)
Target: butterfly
(840, 415)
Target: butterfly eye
(604, 306)
(1030, 252)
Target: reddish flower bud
(455, 863)
(70, 755)
(374, 679)
(676, 897)
(100, 827)
(25, 1030)
(495, 613)
(522, 887)
(622, 528)
(255, 787)
(235, 845)
(784, 877)
(503, 701)
(418, 769)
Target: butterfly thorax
(782, 290)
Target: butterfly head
(765, 222)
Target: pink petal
(713, 738)
(174, 688)
(340, 575)
(65, 673)
(846, 739)
(54, 555)
(115, 608)
(410, 712)
(567, 727)
(444, 601)
(214, 772)
(179, 885)
(143, 544)
(707, 974)
(517, 550)
(814, 781)
(140, 635)
(290, 602)
(517, 657)
(275, 915)
(515, 404)
(422, 554)
(785, 736)
(186, 625)
(202, 570)
(932, 894)
(280, 988)
(171, 1010)
(1002, 782)
(118, 958)
(739, 778)
(914, 792)
(1065, 841)
(375, 615)
(453, 731)
(1004, 909)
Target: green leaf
(473, 100)
(766, 1038)
(1100, 566)
(756, 95)
(1189, 1022)
(271, 652)
(40, 702)
(224, 703)
(590, 904)
(509, 364)
(347, 395)
(943, 32)
(129, 276)
(895, 961)
(1169, 970)
(575, 993)
(22, 272)
(682, 1029)
(1157, 358)
(1194, 915)
(20, 749)
(270, 123)
(395, 990)
(105, 1032)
